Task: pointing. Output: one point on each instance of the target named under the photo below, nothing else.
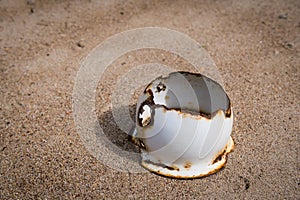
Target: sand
(255, 45)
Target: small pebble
(283, 16)
(30, 2)
(79, 44)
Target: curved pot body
(184, 122)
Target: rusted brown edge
(162, 165)
(149, 92)
(228, 149)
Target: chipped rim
(183, 172)
(227, 112)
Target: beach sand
(255, 45)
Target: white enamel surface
(179, 138)
(146, 114)
(196, 169)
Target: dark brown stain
(146, 122)
(228, 111)
(219, 157)
(142, 144)
(162, 165)
(160, 87)
(138, 142)
(224, 153)
(188, 165)
(134, 140)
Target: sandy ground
(255, 45)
